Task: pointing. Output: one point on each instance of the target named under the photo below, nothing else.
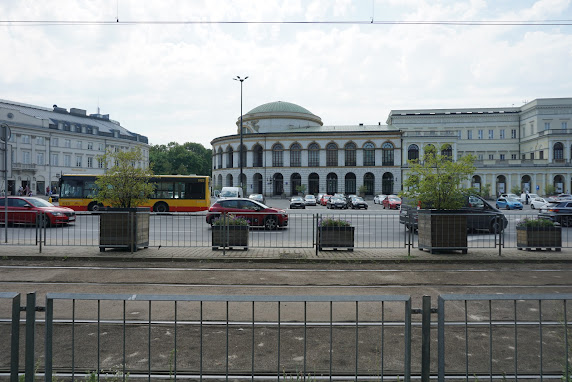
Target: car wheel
(271, 223)
(44, 221)
(566, 221)
(508, 207)
(532, 206)
(161, 207)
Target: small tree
(124, 185)
(485, 191)
(549, 189)
(436, 181)
(515, 190)
(301, 188)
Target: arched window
(332, 183)
(277, 155)
(350, 154)
(368, 182)
(350, 183)
(242, 156)
(257, 156)
(295, 155)
(413, 152)
(387, 183)
(369, 154)
(447, 151)
(387, 159)
(313, 183)
(295, 181)
(331, 154)
(558, 151)
(229, 158)
(219, 165)
(313, 155)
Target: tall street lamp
(240, 128)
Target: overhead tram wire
(347, 22)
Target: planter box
(442, 230)
(124, 228)
(539, 237)
(229, 236)
(336, 237)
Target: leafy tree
(515, 190)
(124, 185)
(549, 189)
(176, 159)
(436, 180)
(301, 188)
(485, 191)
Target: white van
(231, 192)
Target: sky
(165, 68)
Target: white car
(310, 200)
(378, 199)
(537, 202)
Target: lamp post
(240, 129)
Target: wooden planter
(336, 237)
(539, 237)
(229, 236)
(124, 228)
(442, 230)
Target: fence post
(30, 336)
(500, 224)
(49, 321)
(426, 339)
(317, 235)
(15, 344)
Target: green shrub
(228, 220)
(534, 223)
(334, 222)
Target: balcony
(23, 166)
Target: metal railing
(369, 338)
(371, 231)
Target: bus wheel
(161, 207)
(94, 206)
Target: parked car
(297, 202)
(258, 197)
(378, 199)
(392, 202)
(560, 212)
(537, 202)
(334, 202)
(349, 200)
(514, 196)
(481, 216)
(310, 200)
(509, 203)
(358, 203)
(324, 200)
(27, 210)
(337, 195)
(257, 213)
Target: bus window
(179, 190)
(72, 189)
(164, 191)
(195, 190)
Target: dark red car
(392, 202)
(257, 213)
(324, 199)
(28, 210)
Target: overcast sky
(173, 81)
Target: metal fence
(371, 230)
(369, 338)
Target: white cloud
(174, 81)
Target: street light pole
(240, 129)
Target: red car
(324, 200)
(392, 202)
(256, 213)
(27, 210)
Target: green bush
(534, 223)
(334, 222)
(228, 220)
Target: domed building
(286, 146)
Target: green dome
(279, 107)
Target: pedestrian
(20, 191)
(26, 190)
(47, 190)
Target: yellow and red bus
(175, 193)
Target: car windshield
(228, 194)
(358, 199)
(395, 199)
(39, 202)
(310, 197)
(512, 200)
(296, 199)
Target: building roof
(76, 117)
(280, 107)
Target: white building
(285, 145)
(48, 142)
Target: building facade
(48, 142)
(285, 146)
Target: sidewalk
(389, 255)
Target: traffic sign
(5, 132)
